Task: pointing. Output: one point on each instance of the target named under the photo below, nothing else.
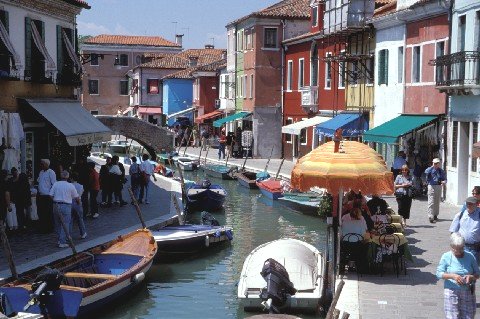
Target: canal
(205, 285)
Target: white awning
(37, 38)
(71, 52)
(191, 109)
(295, 128)
(8, 44)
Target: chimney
(178, 39)
(193, 60)
(224, 54)
(209, 46)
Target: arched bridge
(152, 137)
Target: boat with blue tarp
(205, 196)
(218, 171)
(305, 203)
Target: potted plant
(325, 208)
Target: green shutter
(4, 19)
(28, 47)
(42, 32)
(130, 82)
(386, 67)
(59, 51)
(381, 67)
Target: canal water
(205, 285)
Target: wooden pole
(335, 300)
(244, 163)
(181, 142)
(345, 315)
(182, 181)
(279, 168)
(200, 154)
(67, 234)
(228, 156)
(336, 314)
(8, 250)
(188, 141)
(271, 153)
(206, 154)
(180, 217)
(137, 208)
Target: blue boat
(205, 196)
(218, 171)
(270, 188)
(305, 203)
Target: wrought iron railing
(458, 69)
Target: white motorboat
(188, 163)
(285, 275)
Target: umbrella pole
(339, 228)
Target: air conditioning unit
(217, 104)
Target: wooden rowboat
(88, 280)
(218, 171)
(270, 188)
(247, 179)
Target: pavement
(32, 250)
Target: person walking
(222, 140)
(436, 178)
(77, 210)
(63, 194)
(398, 162)
(134, 173)
(105, 183)
(46, 179)
(459, 270)
(403, 190)
(116, 179)
(20, 196)
(467, 223)
(94, 188)
(146, 170)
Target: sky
(201, 21)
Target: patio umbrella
(356, 166)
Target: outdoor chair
(351, 252)
(389, 250)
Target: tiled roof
(130, 40)
(79, 3)
(188, 73)
(307, 36)
(289, 9)
(387, 8)
(213, 67)
(182, 60)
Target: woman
(459, 268)
(352, 248)
(354, 223)
(402, 183)
(20, 195)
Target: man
(63, 194)
(436, 178)
(377, 205)
(398, 162)
(94, 189)
(146, 169)
(222, 140)
(46, 179)
(467, 223)
(134, 173)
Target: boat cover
(272, 185)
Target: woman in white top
(352, 249)
(402, 183)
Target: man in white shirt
(398, 162)
(46, 179)
(63, 194)
(146, 170)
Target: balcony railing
(310, 99)
(458, 73)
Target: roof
(131, 40)
(78, 3)
(188, 73)
(181, 60)
(286, 9)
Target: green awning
(230, 118)
(390, 131)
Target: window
(244, 87)
(354, 70)
(303, 136)
(400, 65)
(94, 112)
(461, 33)
(123, 87)
(93, 59)
(301, 73)
(4, 52)
(314, 16)
(474, 140)
(270, 38)
(34, 58)
(370, 63)
(251, 86)
(249, 40)
(288, 137)
(477, 31)
(328, 72)
(123, 60)
(341, 74)
(383, 67)
(454, 143)
(416, 66)
(152, 86)
(93, 87)
(439, 51)
(289, 75)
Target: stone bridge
(155, 139)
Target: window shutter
(386, 67)
(28, 48)
(42, 24)
(4, 19)
(59, 51)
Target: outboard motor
(208, 219)
(206, 183)
(46, 283)
(274, 296)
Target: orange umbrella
(356, 166)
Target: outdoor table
(374, 243)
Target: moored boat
(246, 179)
(271, 188)
(205, 196)
(281, 276)
(118, 146)
(80, 284)
(188, 163)
(218, 171)
(305, 203)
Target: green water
(204, 286)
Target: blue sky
(202, 21)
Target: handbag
(32, 211)
(410, 192)
(12, 218)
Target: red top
(223, 139)
(94, 180)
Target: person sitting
(354, 223)
(377, 205)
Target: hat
(436, 160)
(471, 200)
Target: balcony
(458, 73)
(310, 99)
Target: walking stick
(67, 233)
(279, 168)
(137, 208)
(8, 250)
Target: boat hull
(206, 198)
(247, 181)
(304, 207)
(217, 172)
(269, 193)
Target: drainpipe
(445, 135)
(281, 86)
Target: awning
(476, 150)
(390, 131)
(296, 128)
(71, 52)
(149, 110)
(75, 122)
(191, 109)
(4, 36)
(352, 124)
(207, 116)
(231, 118)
